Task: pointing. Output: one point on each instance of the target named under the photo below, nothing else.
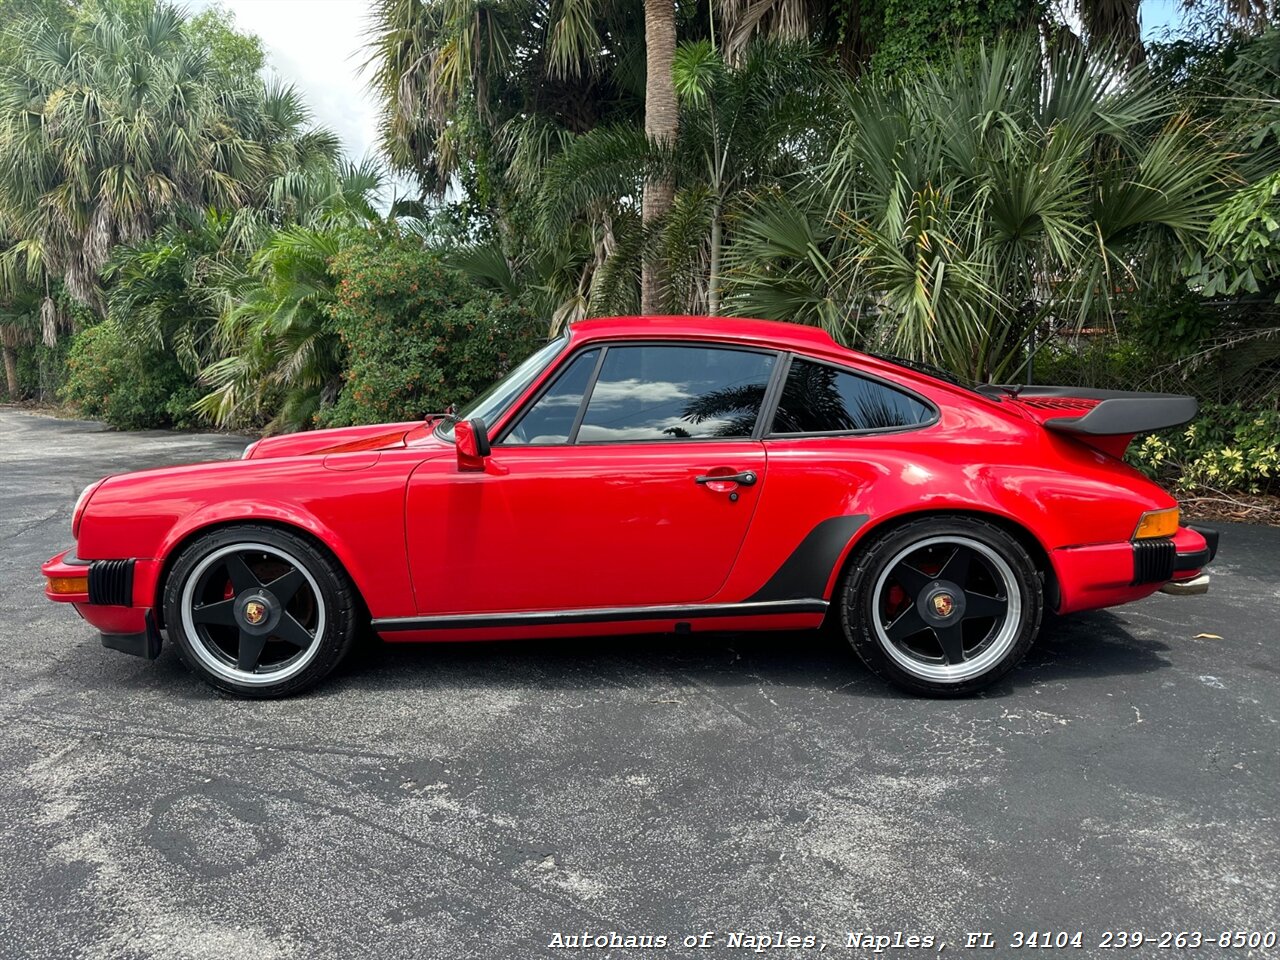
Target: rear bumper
(1191, 559)
(1109, 574)
(116, 598)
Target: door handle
(746, 478)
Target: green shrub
(1102, 362)
(419, 334)
(1172, 326)
(128, 387)
(41, 370)
(1228, 448)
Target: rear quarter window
(819, 398)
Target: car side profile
(650, 474)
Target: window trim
(792, 356)
(443, 429)
(590, 388)
(771, 392)
(514, 421)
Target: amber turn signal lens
(64, 585)
(1158, 523)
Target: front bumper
(116, 598)
(1109, 574)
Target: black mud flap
(145, 644)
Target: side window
(676, 393)
(820, 399)
(550, 420)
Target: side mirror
(471, 439)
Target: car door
(629, 482)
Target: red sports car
(650, 474)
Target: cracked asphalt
(471, 801)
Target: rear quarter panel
(977, 458)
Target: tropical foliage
(962, 210)
(451, 339)
(112, 123)
(130, 388)
(1229, 447)
(1002, 189)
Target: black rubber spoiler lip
(1121, 412)
(1129, 415)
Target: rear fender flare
(876, 527)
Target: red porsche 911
(656, 474)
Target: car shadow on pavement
(1095, 644)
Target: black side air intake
(111, 582)
(1152, 561)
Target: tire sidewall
(858, 601)
(335, 593)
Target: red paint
(548, 528)
(425, 529)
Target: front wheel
(942, 606)
(258, 611)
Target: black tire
(306, 610)
(971, 588)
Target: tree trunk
(661, 124)
(1114, 23)
(11, 371)
(713, 283)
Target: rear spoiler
(1106, 419)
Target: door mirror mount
(471, 440)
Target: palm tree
(742, 129)
(452, 75)
(1113, 24)
(279, 352)
(110, 127)
(965, 208)
(274, 353)
(19, 326)
(837, 27)
(661, 124)
(100, 153)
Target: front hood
(378, 436)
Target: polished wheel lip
(211, 660)
(995, 649)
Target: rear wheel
(258, 611)
(943, 606)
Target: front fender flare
(256, 511)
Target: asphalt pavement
(481, 800)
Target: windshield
(495, 401)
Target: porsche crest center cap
(254, 612)
(941, 604)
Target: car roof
(770, 333)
